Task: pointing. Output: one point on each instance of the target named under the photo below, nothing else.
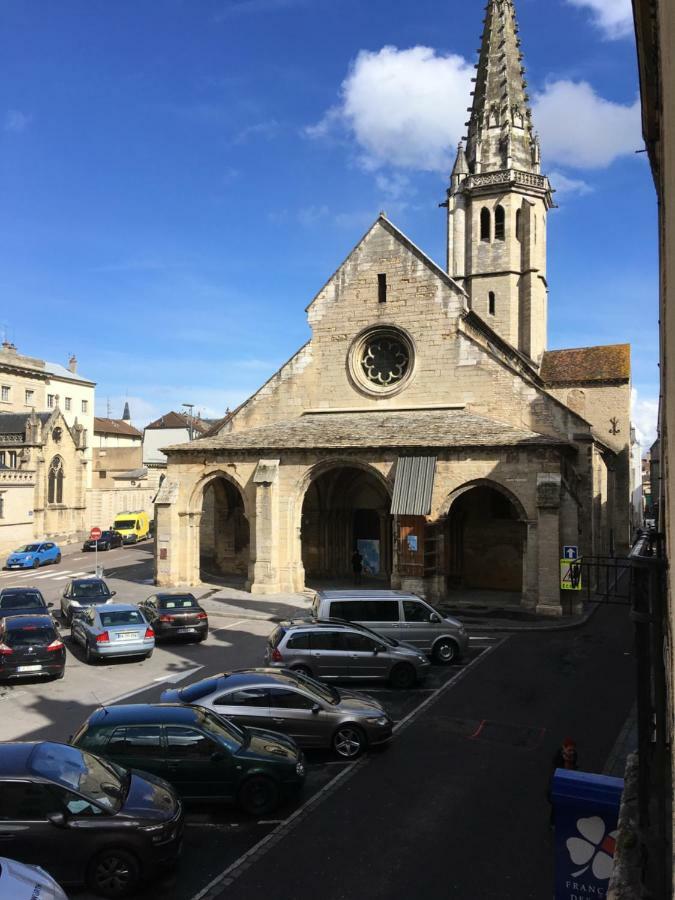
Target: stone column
(265, 539)
(530, 573)
(548, 528)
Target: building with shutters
(425, 422)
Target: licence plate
(126, 635)
(185, 630)
(28, 668)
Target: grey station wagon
(338, 650)
(398, 615)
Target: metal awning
(413, 485)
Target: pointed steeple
(500, 128)
(461, 168)
(126, 415)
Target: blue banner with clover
(586, 812)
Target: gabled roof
(177, 420)
(414, 428)
(60, 371)
(587, 365)
(115, 426)
(15, 423)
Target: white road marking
(179, 676)
(270, 839)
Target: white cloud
(564, 186)
(645, 415)
(403, 107)
(614, 17)
(407, 109)
(16, 121)
(583, 130)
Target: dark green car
(204, 756)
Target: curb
(532, 626)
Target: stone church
(424, 423)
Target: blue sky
(179, 178)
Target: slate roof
(15, 423)
(61, 372)
(177, 420)
(115, 426)
(419, 428)
(584, 365)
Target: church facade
(425, 423)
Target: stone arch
(222, 531)
(485, 538)
(340, 503)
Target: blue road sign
(570, 552)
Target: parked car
(21, 882)
(81, 594)
(86, 820)
(32, 556)
(133, 526)
(395, 614)
(113, 630)
(17, 601)
(314, 714)
(109, 540)
(204, 756)
(31, 646)
(176, 615)
(340, 650)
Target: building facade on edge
(424, 423)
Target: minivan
(398, 615)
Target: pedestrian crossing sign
(570, 575)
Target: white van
(397, 615)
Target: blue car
(32, 556)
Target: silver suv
(399, 616)
(334, 649)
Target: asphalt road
(454, 807)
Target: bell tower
(498, 200)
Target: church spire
(500, 128)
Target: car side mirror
(316, 709)
(112, 593)
(435, 618)
(50, 606)
(58, 819)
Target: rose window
(385, 360)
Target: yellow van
(133, 526)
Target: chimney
(72, 364)
(8, 346)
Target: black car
(204, 756)
(176, 615)
(108, 541)
(31, 646)
(86, 820)
(82, 593)
(18, 601)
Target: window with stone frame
(30, 397)
(485, 224)
(69, 403)
(5, 395)
(50, 401)
(55, 481)
(500, 224)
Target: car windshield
(29, 636)
(108, 534)
(95, 779)
(121, 617)
(177, 603)
(29, 548)
(90, 589)
(24, 600)
(124, 524)
(326, 692)
(200, 689)
(227, 731)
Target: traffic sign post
(570, 552)
(570, 575)
(95, 535)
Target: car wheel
(349, 741)
(36, 563)
(403, 676)
(89, 655)
(113, 873)
(303, 670)
(258, 796)
(57, 559)
(445, 651)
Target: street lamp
(189, 407)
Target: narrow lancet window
(485, 224)
(500, 224)
(382, 288)
(492, 304)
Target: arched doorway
(485, 543)
(345, 509)
(224, 536)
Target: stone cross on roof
(500, 132)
